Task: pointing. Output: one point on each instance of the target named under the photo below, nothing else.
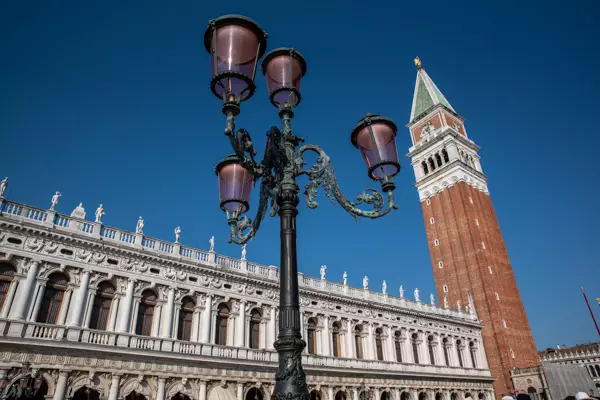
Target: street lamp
(27, 386)
(235, 44)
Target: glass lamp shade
(284, 69)
(235, 185)
(375, 137)
(235, 44)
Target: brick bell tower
(468, 254)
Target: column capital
(64, 372)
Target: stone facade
(100, 310)
(468, 254)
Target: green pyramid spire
(426, 94)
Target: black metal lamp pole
(235, 44)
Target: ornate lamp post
(28, 386)
(235, 44)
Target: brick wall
(470, 241)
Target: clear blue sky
(109, 102)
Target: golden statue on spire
(418, 63)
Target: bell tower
(467, 251)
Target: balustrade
(58, 333)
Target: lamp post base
(290, 380)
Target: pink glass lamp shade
(235, 185)
(284, 69)
(374, 136)
(235, 44)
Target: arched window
(415, 347)
(423, 396)
(254, 394)
(53, 298)
(254, 331)
(473, 352)
(378, 344)
(445, 156)
(358, 341)
(459, 352)
(404, 396)
(143, 324)
(86, 393)
(446, 355)
(431, 164)
(135, 396)
(312, 336)
(598, 370)
(430, 347)
(221, 327)
(186, 316)
(438, 159)
(335, 339)
(385, 396)
(398, 345)
(425, 169)
(101, 307)
(315, 395)
(533, 394)
(7, 273)
(592, 371)
(340, 395)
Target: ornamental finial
(418, 63)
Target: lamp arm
(322, 174)
(238, 225)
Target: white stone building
(102, 313)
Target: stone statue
(3, 186)
(401, 292)
(100, 213)
(139, 228)
(366, 283)
(323, 269)
(446, 302)
(244, 252)
(384, 288)
(432, 299)
(212, 244)
(417, 299)
(177, 234)
(345, 277)
(458, 305)
(55, 200)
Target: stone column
(205, 324)
(202, 391)
(391, 349)
(156, 318)
(240, 391)
(326, 337)
(195, 324)
(125, 311)
(397, 394)
(166, 324)
(160, 391)
(64, 307)
(355, 393)
(114, 308)
(414, 394)
(88, 312)
(440, 351)
(25, 292)
(370, 347)
(61, 386)
(330, 393)
(271, 330)
(80, 300)
(350, 353)
(38, 295)
(114, 387)
(240, 325)
(376, 395)
(9, 298)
